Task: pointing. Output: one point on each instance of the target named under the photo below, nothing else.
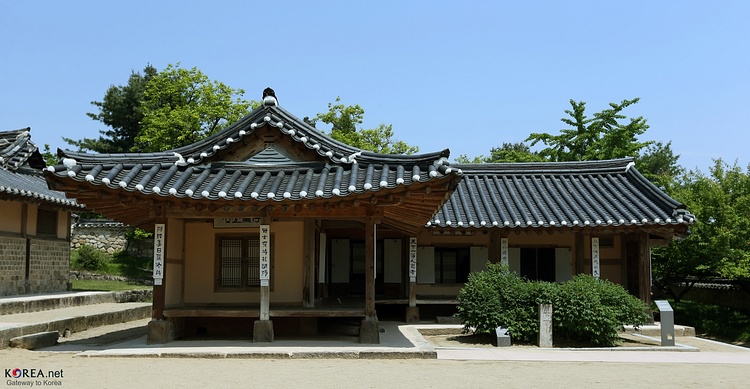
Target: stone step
(35, 341)
(73, 319)
(38, 303)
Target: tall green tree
(719, 242)
(605, 135)
(658, 163)
(344, 121)
(120, 110)
(182, 106)
(513, 152)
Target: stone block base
(263, 331)
(369, 331)
(35, 341)
(412, 314)
(502, 341)
(160, 332)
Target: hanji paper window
(238, 262)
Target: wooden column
(494, 246)
(370, 269)
(595, 257)
(308, 263)
(579, 252)
(160, 330)
(159, 292)
(644, 267)
(369, 330)
(263, 328)
(412, 311)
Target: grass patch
(105, 285)
(714, 321)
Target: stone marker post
(545, 325)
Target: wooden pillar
(370, 269)
(595, 257)
(412, 311)
(494, 246)
(369, 331)
(644, 267)
(160, 265)
(322, 240)
(263, 328)
(308, 263)
(160, 330)
(579, 252)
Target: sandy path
(81, 372)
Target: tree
(659, 164)
(602, 136)
(120, 109)
(49, 158)
(182, 106)
(513, 152)
(719, 242)
(344, 120)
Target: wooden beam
(644, 278)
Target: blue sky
(461, 75)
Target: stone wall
(12, 266)
(48, 266)
(109, 237)
(105, 238)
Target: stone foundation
(160, 332)
(369, 331)
(263, 331)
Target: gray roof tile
(20, 174)
(198, 171)
(554, 195)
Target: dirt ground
(81, 372)
(113, 372)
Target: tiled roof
(269, 117)
(15, 148)
(20, 174)
(191, 172)
(558, 195)
(236, 165)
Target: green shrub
(585, 309)
(499, 297)
(90, 258)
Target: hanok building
(35, 221)
(269, 226)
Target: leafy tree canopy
(120, 110)
(658, 163)
(719, 242)
(602, 136)
(508, 152)
(182, 106)
(344, 120)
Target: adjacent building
(35, 221)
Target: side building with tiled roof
(35, 226)
(270, 226)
